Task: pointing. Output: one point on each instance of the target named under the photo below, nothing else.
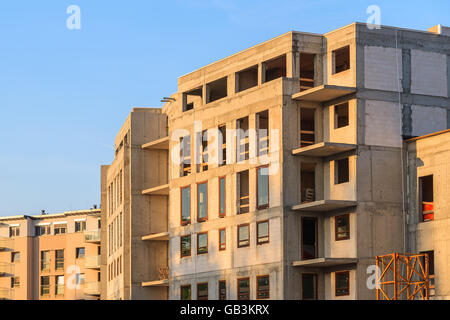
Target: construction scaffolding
(403, 277)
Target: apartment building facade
(130, 212)
(50, 256)
(284, 166)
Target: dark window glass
(222, 206)
(186, 292)
(263, 187)
(244, 289)
(263, 289)
(342, 283)
(186, 205)
(342, 171)
(202, 201)
(222, 239)
(185, 246)
(342, 224)
(309, 290)
(222, 290)
(202, 243)
(263, 232)
(202, 291)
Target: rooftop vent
(43, 212)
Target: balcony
(92, 236)
(5, 243)
(163, 280)
(162, 190)
(92, 262)
(324, 262)
(162, 236)
(6, 294)
(324, 205)
(92, 288)
(323, 93)
(160, 144)
(323, 149)
(6, 269)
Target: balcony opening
(341, 171)
(308, 182)
(242, 136)
(192, 99)
(216, 90)
(243, 192)
(426, 195)
(246, 79)
(307, 127)
(341, 115)
(185, 156)
(341, 59)
(306, 71)
(222, 145)
(309, 286)
(262, 125)
(309, 238)
(202, 151)
(275, 68)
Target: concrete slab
(162, 236)
(324, 262)
(324, 205)
(157, 191)
(160, 144)
(323, 93)
(157, 283)
(323, 149)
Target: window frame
(258, 242)
(220, 294)
(185, 223)
(207, 242)
(238, 241)
(223, 214)
(198, 201)
(336, 282)
(190, 291)
(258, 205)
(181, 246)
(337, 170)
(333, 56)
(336, 115)
(225, 239)
(336, 232)
(14, 255)
(207, 290)
(257, 286)
(77, 252)
(238, 288)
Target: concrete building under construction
(282, 171)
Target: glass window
(60, 229)
(80, 226)
(243, 235)
(263, 187)
(263, 288)
(14, 232)
(202, 243)
(222, 290)
(185, 246)
(342, 283)
(186, 292)
(15, 282)
(342, 227)
(222, 239)
(42, 230)
(222, 197)
(185, 205)
(59, 259)
(80, 252)
(15, 257)
(45, 285)
(202, 291)
(244, 289)
(202, 201)
(263, 232)
(59, 285)
(45, 260)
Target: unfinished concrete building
(130, 212)
(284, 171)
(50, 256)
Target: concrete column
(261, 73)
(406, 76)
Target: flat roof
(53, 215)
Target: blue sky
(64, 94)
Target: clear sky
(64, 93)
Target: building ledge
(160, 144)
(157, 191)
(323, 93)
(157, 283)
(324, 262)
(323, 149)
(162, 236)
(324, 205)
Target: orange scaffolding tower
(403, 277)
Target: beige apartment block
(50, 256)
(277, 172)
(132, 210)
(428, 168)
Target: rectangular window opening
(262, 287)
(262, 232)
(309, 286)
(244, 289)
(341, 59)
(308, 182)
(342, 283)
(222, 290)
(222, 239)
(222, 197)
(307, 71)
(185, 156)
(307, 127)
(192, 98)
(202, 243)
(185, 293)
(222, 145)
(309, 238)
(216, 90)
(341, 171)
(246, 79)
(426, 194)
(341, 115)
(262, 125)
(243, 192)
(243, 235)
(185, 246)
(242, 140)
(185, 205)
(275, 68)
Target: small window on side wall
(342, 283)
(342, 227)
(426, 198)
(341, 171)
(341, 115)
(341, 59)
